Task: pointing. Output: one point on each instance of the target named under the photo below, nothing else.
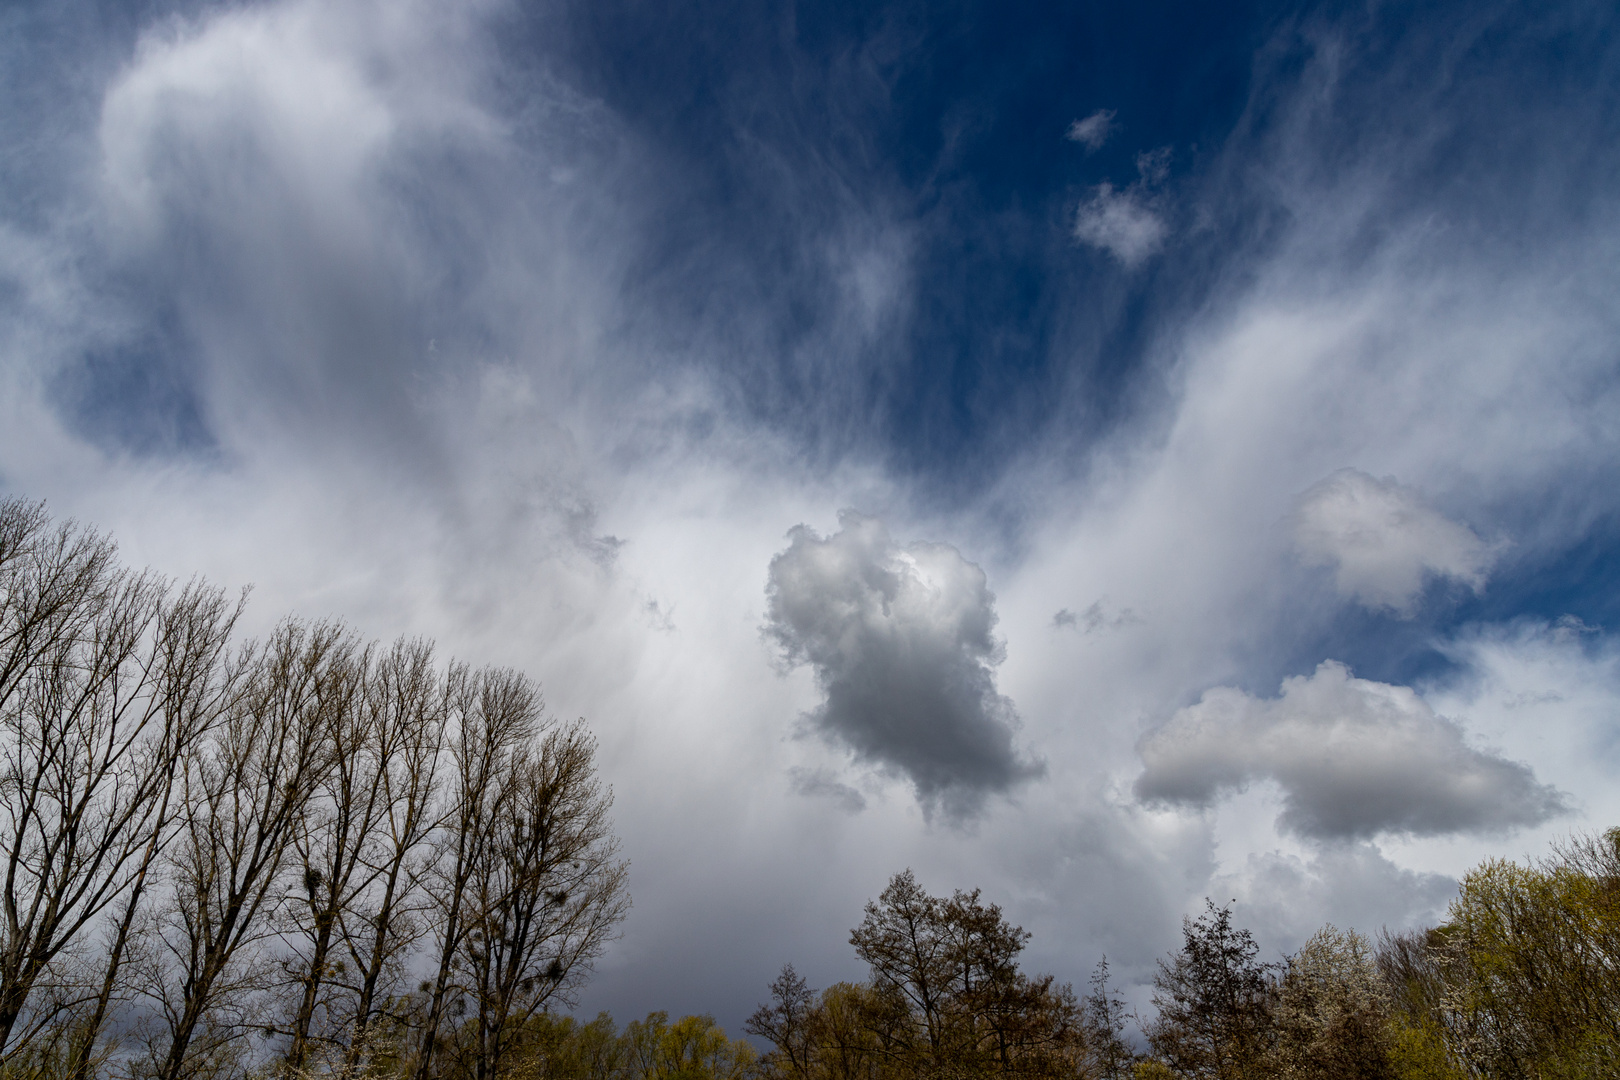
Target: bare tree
(245, 791)
(195, 688)
(406, 701)
(494, 716)
(1105, 1016)
(547, 894)
(352, 909)
(787, 1024)
(72, 731)
(97, 674)
(52, 583)
(209, 815)
(910, 958)
(331, 836)
(55, 581)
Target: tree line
(306, 854)
(1521, 982)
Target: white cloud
(1094, 130)
(1383, 541)
(1351, 885)
(1122, 223)
(1354, 758)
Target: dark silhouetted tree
(1214, 1000)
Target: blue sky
(1111, 455)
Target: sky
(1108, 455)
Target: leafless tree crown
(225, 856)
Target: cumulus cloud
(901, 642)
(1094, 130)
(1353, 758)
(1122, 223)
(1383, 541)
(1351, 884)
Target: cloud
(1094, 130)
(1154, 165)
(1382, 540)
(1093, 619)
(1354, 758)
(1122, 223)
(900, 639)
(824, 784)
(439, 303)
(1350, 884)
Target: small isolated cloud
(1094, 130)
(825, 784)
(1093, 619)
(1122, 223)
(1154, 165)
(1353, 758)
(901, 642)
(658, 616)
(1383, 541)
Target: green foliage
(1152, 1069)
(1522, 982)
(691, 1048)
(562, 1048)
(1417, 1051)
(1531, 960)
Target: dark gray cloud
(901, 641)
(1354, 758)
